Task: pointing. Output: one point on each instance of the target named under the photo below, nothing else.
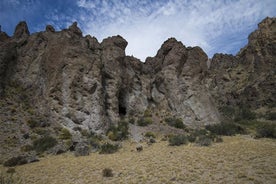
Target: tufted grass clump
(107, 172)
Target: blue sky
(217, 26)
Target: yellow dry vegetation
(239, 159)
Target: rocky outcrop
(75, 82)
(249, 77)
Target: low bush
(26, 148)
(244, 113)
(228, 111)
(227, 129)
(108, 148)
(203, 138)
(42, 144)
(204, 141)
(131, 121)
(147, 113)
(150, 135)
(119, 132)
(175, 122)
(177, 140)
(32, 123)
(65, 134)
(14, 161)
(107, 172)
(271, 116)
(267, 130)
(10, 178)
(144, 121)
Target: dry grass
(238, 159)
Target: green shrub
(38, 122)
(150, 135)
(14, 161)
(33, 123)
(26, 148)
(227, 129)
(65, 134)
(203, 137)
(144, 121)
(204, 140)
(40, 131)
(131, 121)
(108, 148)
(228, 111)
(42, 144)
(267, 130)
(107, 172)
(271, 116)
(175, 122)
(192, 138)
(119, 132)
(147, 113)
(84, 132)
(177, 140)
(245, 113)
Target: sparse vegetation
(144, 121)
(42, 144)
(175, 122)
(107, 172)
(108, 148)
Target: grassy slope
(238, 159)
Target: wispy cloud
(216, 26)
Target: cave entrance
(122, 103)
(122, 110)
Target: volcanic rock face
(63, 78)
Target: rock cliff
(64, 79)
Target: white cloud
(214, 25)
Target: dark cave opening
(122, 110)
(122, 104)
